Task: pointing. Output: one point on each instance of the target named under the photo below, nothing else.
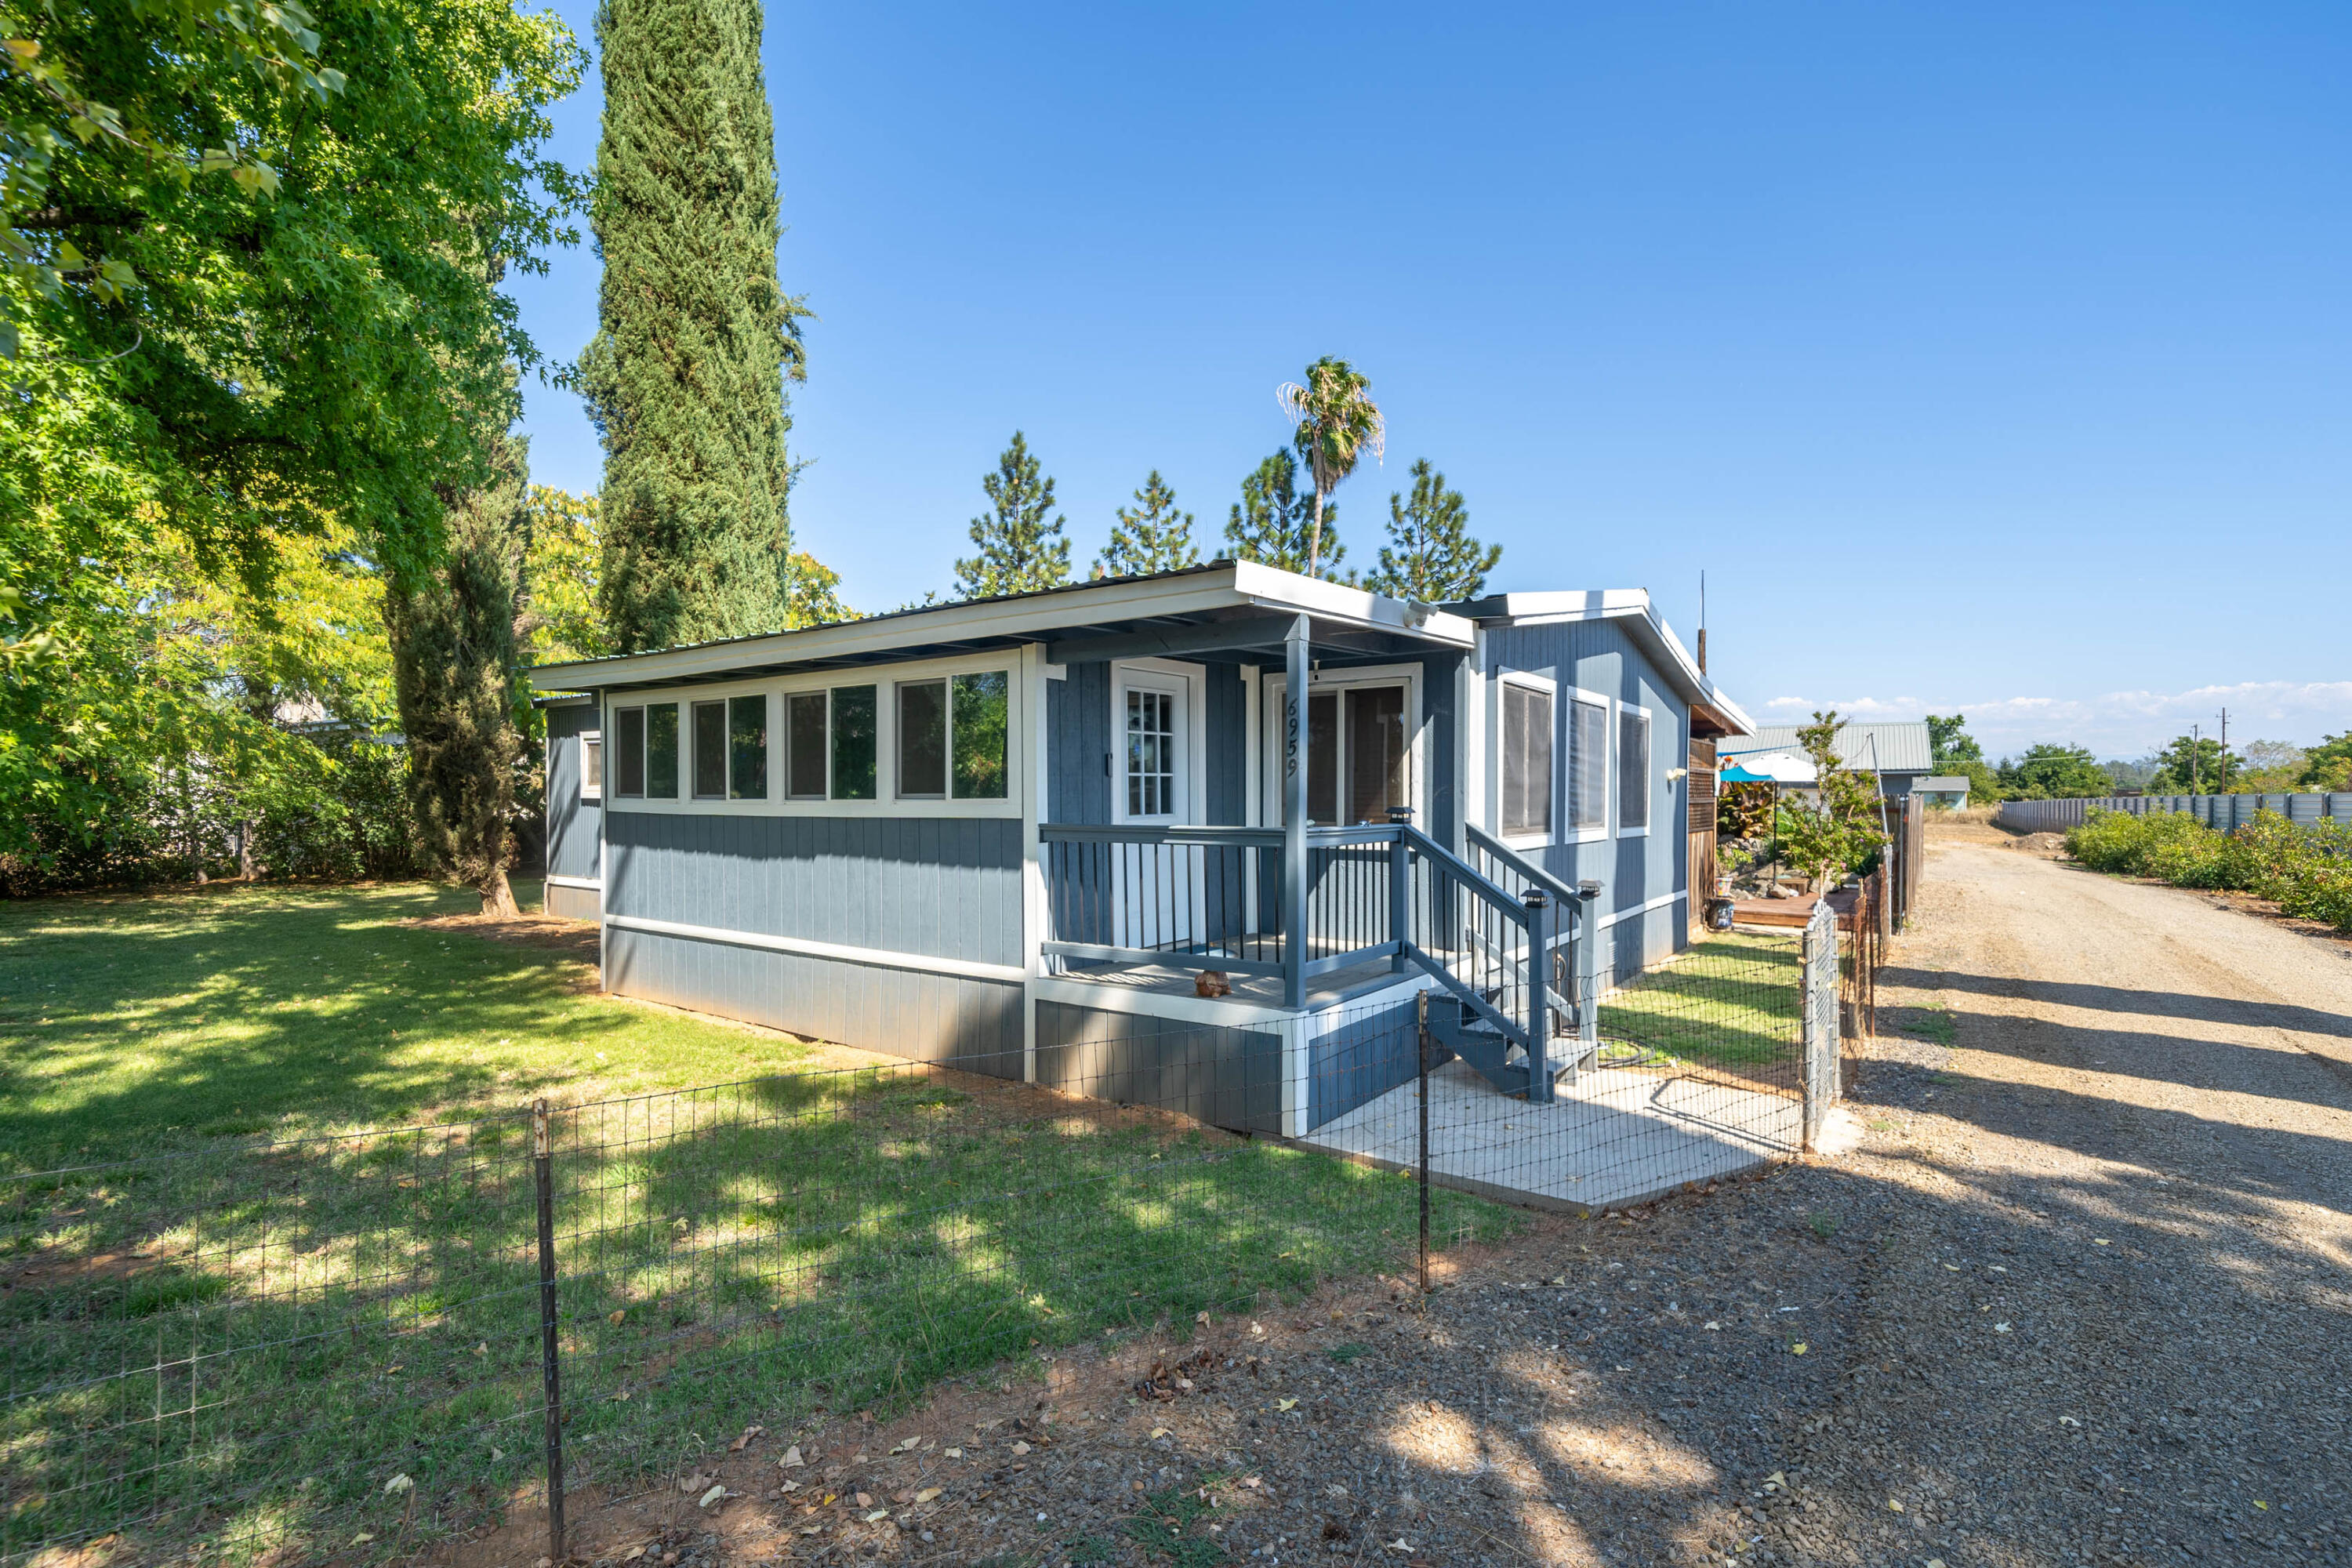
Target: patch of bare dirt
(572, 939)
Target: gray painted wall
(941, 887)
(1078, 741)
(1225, 1076)
(571, 823)
(1361, 1061)
(974, 1023)
(1598, 656)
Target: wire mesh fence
(357, 1346)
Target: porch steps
(1498, 1059)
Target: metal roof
(1633, 608)
(1898, 748)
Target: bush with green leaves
(2306, 869)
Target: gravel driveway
(2084, 1295)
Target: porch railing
(1492, 928)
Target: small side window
(852, 738)
(630, 726)
(1526, 760)
(1588, 761)
(1632, 770)
(747, 747)
(982, 736)
(804, 744)
(710, 751)
(661, 750)
(923, 740)
(591, 767)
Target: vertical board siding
(1225, 1076)
(1224, 730)
(1078, 745)
(941, 887)
(1598, 656)
(1361, 1061)
(974, 1025)
(571, 823)
(1440, 723)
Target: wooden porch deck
(1257, 993)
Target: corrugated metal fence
(2225, 812)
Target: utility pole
(2196, 744)
(2223, 783)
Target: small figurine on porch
(1212, 983)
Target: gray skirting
(973, 1024)
(573, 903)
(1220, 1074)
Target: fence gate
(1821, 1004)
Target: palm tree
(1338, 423)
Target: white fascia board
(1238, 585)
(1189, 594)
(1275, 589)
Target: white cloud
(2118, 723)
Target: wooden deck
(1796, 912)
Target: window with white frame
(954, 737)
(629, 754)
(1526, 759)
(591, 767)
(1633, 770)
(1588, 767)
(805, 728)
(1150, 752)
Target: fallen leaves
(792, 1459)
(1798, 1349)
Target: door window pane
(1526, 760)
(747, 747)
(982, 736)
(852, 742)
(661, 750)
(709, 751)
(591, 765)
(1376, 753)
(804, 734)
(1588, 762)
(923, 738)
(629, 723)
(1323, 758)
(1150, 753)
(1633, 769)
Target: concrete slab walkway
(1615, 1136)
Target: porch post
(1294, 814)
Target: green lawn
(238, 1010)
(241, 1342)
(1734, 1000)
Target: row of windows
(953, 740)
(1528, 746)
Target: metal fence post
(1421, 1036)
(543, 1176)
(1588, 969)
(1539, 1084)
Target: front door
(1158, 893)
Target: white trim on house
(882, 958)
(1632, 605)
(1023, 724)
(1678, 896)
(1240, 584)
(586, 884)
(1530, 681)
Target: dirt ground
(2084, 1295)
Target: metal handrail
(1525, 868)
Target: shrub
(2306, 869)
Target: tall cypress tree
(1021, 550)
(455, 659)
(696, 337)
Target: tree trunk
(498, 897)
(1315, 533)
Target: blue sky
(1995, 358)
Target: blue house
(1017, 833)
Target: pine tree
(1020, 551)
(1273, 524)
(1153, 536)
(455, 657)
(685, 379)
(1431, 556)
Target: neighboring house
(1947, 789)
(1900, 754)
(1013, 832)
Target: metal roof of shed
(1887, 748)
